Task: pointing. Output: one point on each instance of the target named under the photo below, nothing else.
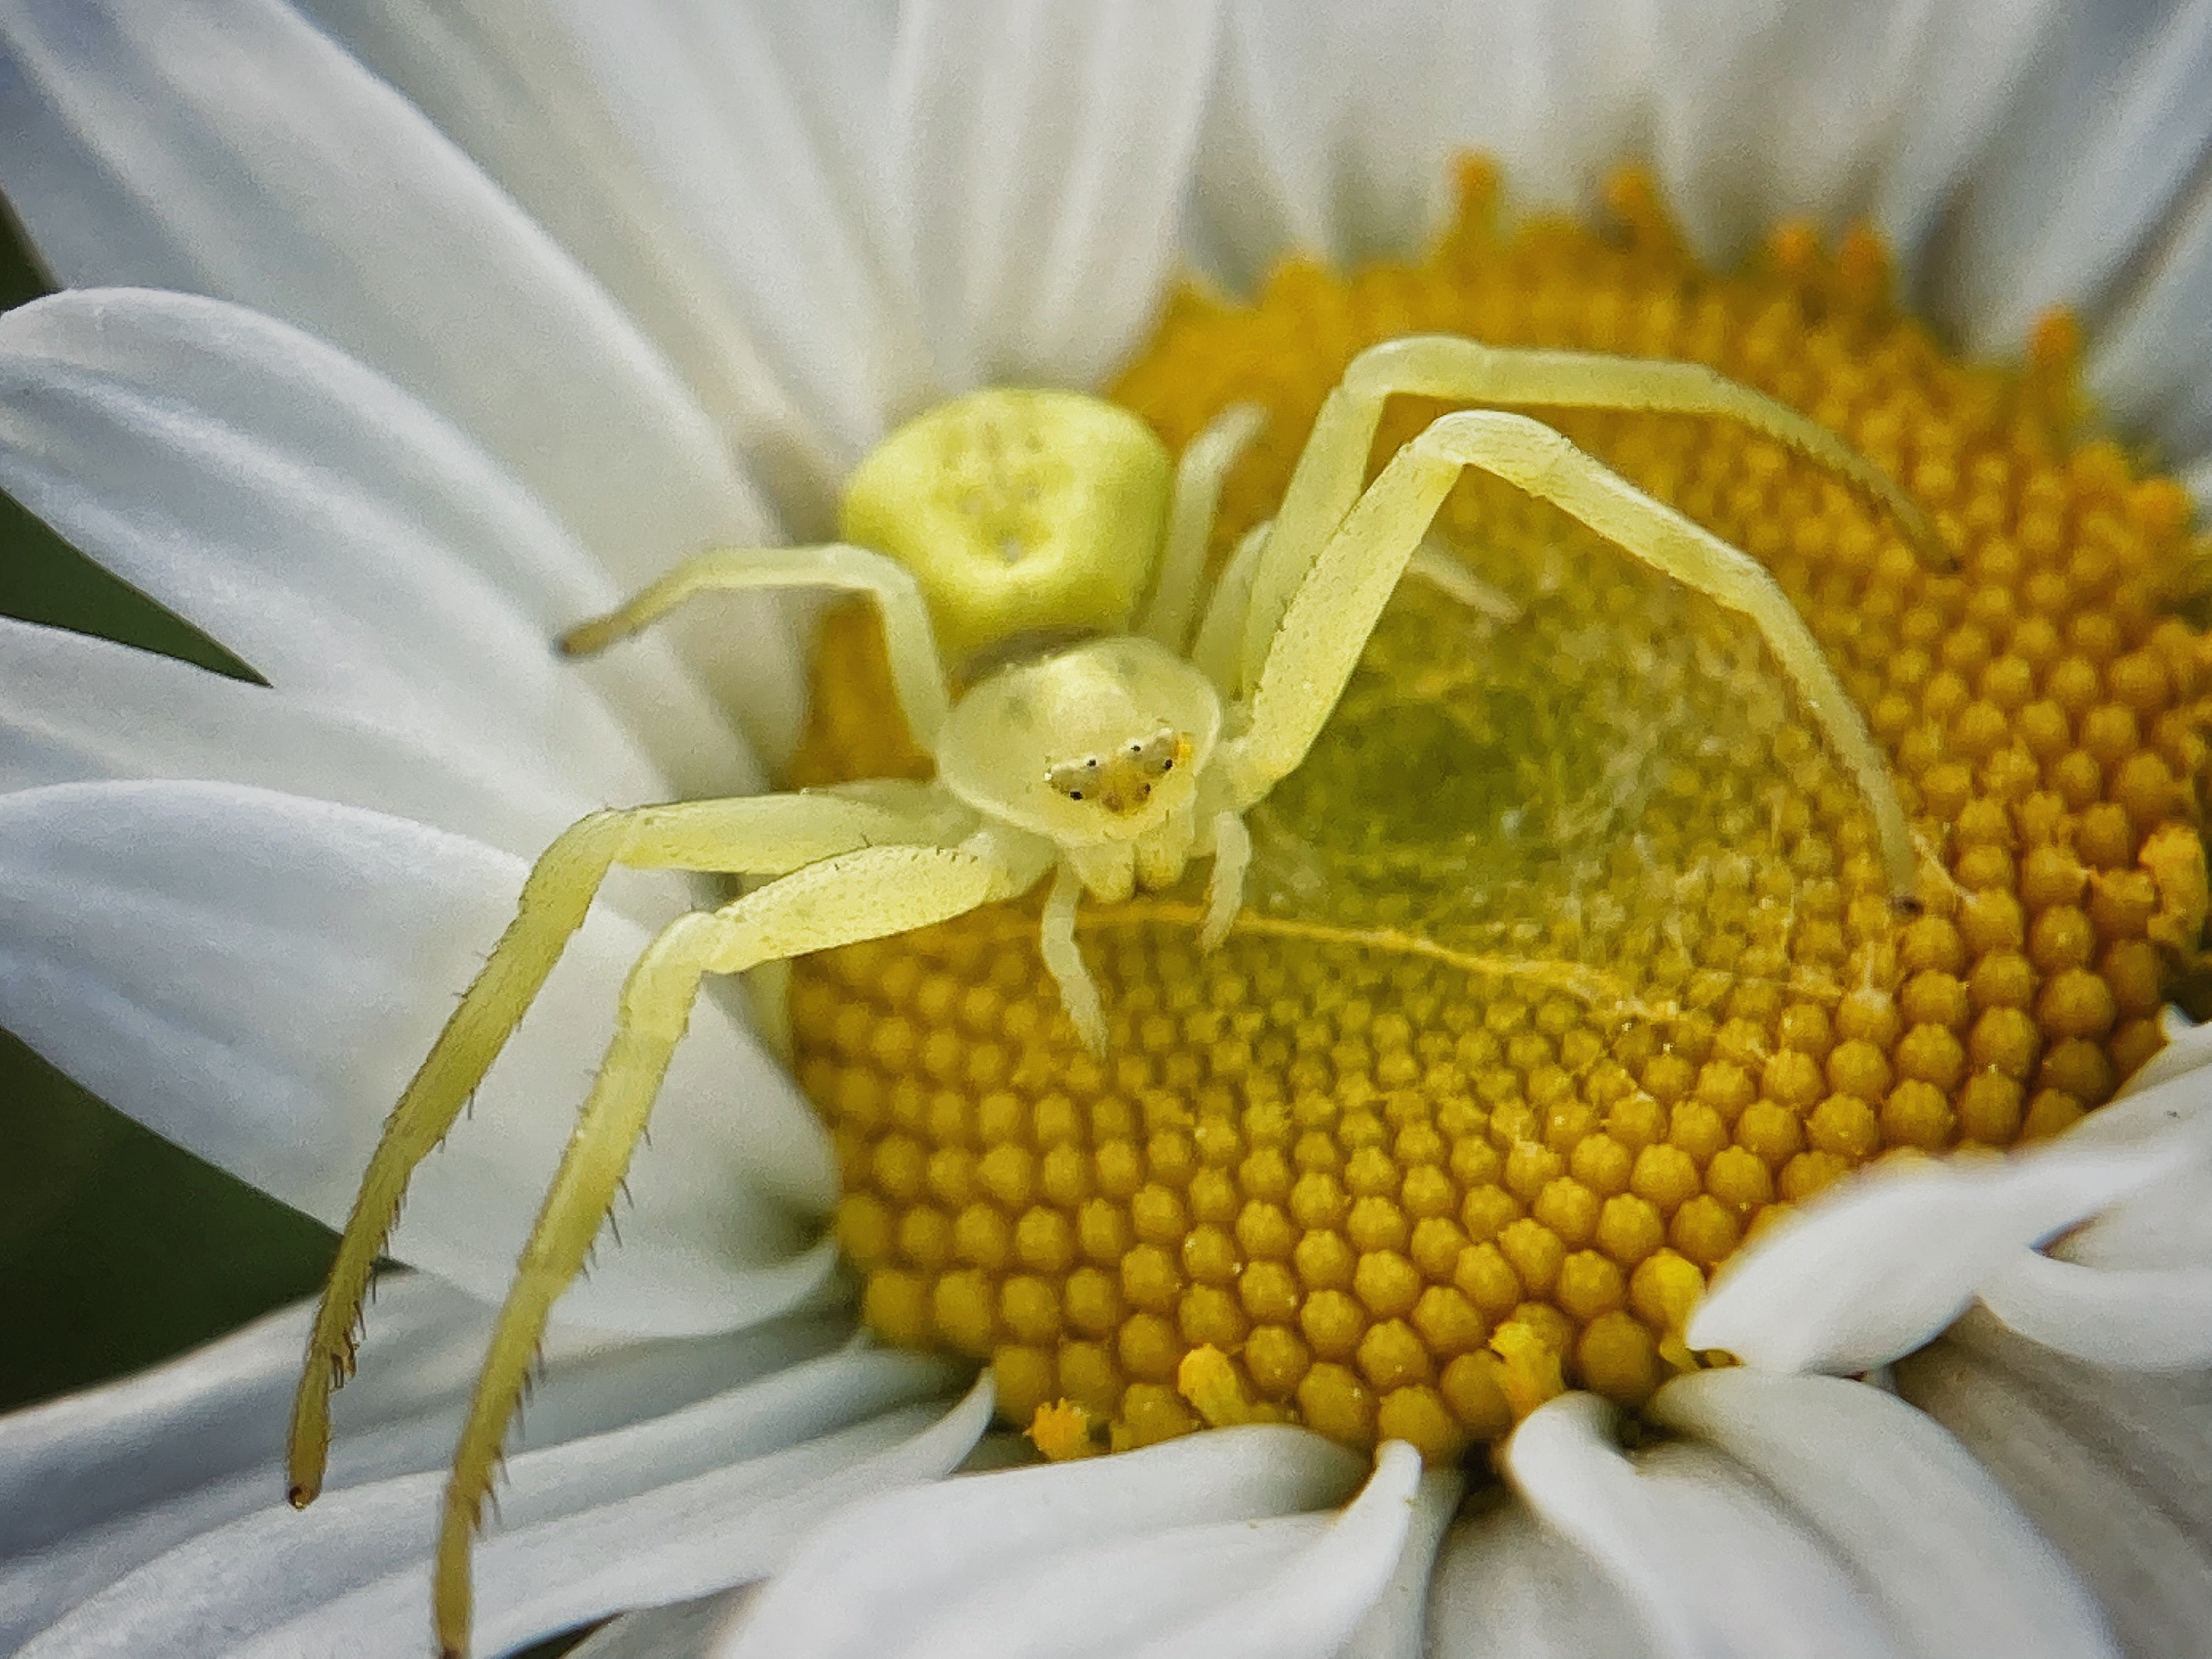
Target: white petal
(96, 1485)
(1111, 1600)
(227, 148)
(884, 1565)
(1291, 1587)
(2199, 480)
(2154, 1427)
(1714, 1567)
(1970, 65)
(590, 1524)
(1333, 134)
(2152, 360)
(1959, 1571)
(2083, 171)
(686, 1630)
(1777, 110)
(2133, 1285)
(254, 977)
(1508, 1587)
(1878, 1264)
(1311, 1604)
(1332, 131)
(522, 101)
(767, 127)
(75, 710)
(1042, 150)
(2188, 1046)
(1396, 1627)
(676, 1536)
(2115, 1468)
(2168, 1222)
(2144, 1318)
(340, 537)
(1767, 103)
(2167, 1106)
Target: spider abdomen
(1020, 512)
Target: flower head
(392, 353)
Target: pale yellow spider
(1008, 538)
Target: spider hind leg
(763, 835)
(867, 894)
(1313, 650)
(1327, 481)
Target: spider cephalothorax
(1101, 710)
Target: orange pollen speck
(1566, 962)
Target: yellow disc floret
(1568, 961)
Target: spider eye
(1121, 779)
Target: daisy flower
(1544, 1069)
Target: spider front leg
(1312, 650)
(764, 835)
(1327, 481)
(1199, 474)
(917, 667)
(863, 895)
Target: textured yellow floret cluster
(1567, 961)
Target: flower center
(1566, 962)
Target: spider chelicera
(1118, 715)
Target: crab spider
(1118, 717)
